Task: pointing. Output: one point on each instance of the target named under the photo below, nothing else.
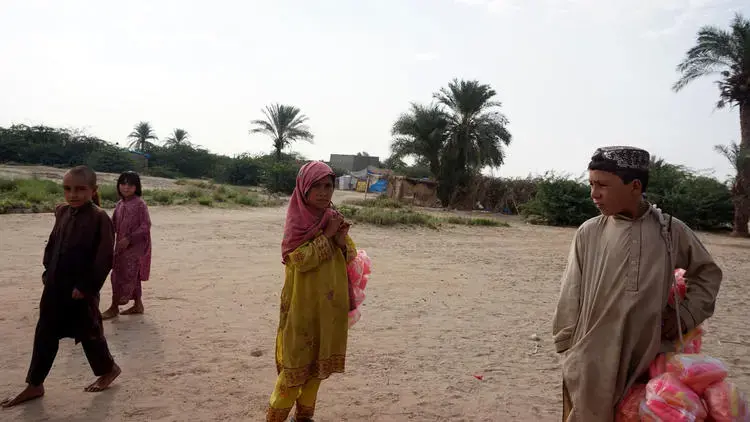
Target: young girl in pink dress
(132, 262)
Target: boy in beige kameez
(612, 317)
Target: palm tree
(140, 137)
(726, 53)
(284, 124)
(177, 138)
(739, 158)
(420, 133)
(476, 133)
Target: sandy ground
(442, 306)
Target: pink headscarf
(302, 221)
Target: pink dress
(132, 264)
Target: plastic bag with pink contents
(680, 287)
(697, 371)
(629, 408)
(725, 403)
(359, 273)
(692, 343)
(668, 399)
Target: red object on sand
(479, 377)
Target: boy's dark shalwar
(78, 255)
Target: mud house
(420, 192)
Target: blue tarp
(379, 187)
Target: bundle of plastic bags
(359, 273)
(685, 386)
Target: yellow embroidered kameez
(313, 325)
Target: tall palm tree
(284, 124)
(476, 130)
(476, 133)
(726, 53)
(739, 158)
(141, 136)
(420, 133)
(178, 137)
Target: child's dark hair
(627, 175)
(90, 177)
(130, 178)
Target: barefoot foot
(111, 313)
(103, 382)
(133, 310)
(29, 393)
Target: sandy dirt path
(442, 306)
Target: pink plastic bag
(725, 403)
(659, 411)
(668, 399)
(629, 408)
(696, 371)
(359, 272)
(692, 343)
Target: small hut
(420, 192)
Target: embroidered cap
(622, 157)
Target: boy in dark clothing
(77, 260)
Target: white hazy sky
(571, 74)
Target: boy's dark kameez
(79, 256)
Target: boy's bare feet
(110, 313)
(103, 382)
(29, 393)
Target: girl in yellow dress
(313, 326)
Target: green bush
(110, 160)
(160, 197)
(194, 192)
(281, 177)
(162, 171)
(560, 201)
(703, 203)
(243, 170)
(108, 194)
(218, 197)
(247, 200)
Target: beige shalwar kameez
(614, 290)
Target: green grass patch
(387, 217)
(35, 195)
(406, 216)
(379, 202)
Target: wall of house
(352, 162)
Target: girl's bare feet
(110, 313)
(29, 393)
(103, 382)
(137, 308)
